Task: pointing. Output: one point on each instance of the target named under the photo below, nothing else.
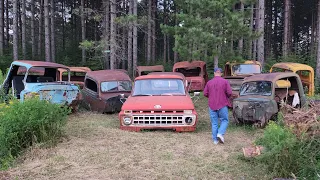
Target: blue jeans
(224, 121)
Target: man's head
(217, 71)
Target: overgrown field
(95, 148)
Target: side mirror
(122, 98)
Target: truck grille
(158, 119)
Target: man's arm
(206, 91)
(228, 89)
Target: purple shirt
(218, 90)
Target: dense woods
(112, 34)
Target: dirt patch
(95, 148)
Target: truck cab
(235, 72)
(29, 78)
(159, 100)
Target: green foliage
(287, 155)
(24, 124)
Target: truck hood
(145, 103)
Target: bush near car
(24, 124)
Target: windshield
(116, 86)
(246, 69)
(158, 87)
(262, 88)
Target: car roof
(150, 68)
(187, 64)
(293, 66)
(108, 75)
(246, 62)
(28, 64)
(162, 75)
(76, 69)
(272, 77)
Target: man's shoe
(215, 142)
(220, 138)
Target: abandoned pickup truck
(159, 101)
(305, 72)
(195, 72)
(77, 75)
(144, 70)
(40, 78)
(102, 90)
(261, 97)
(235, 72)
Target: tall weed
(287, 155)
(23, 124)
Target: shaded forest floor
(95, 148)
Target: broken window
(91, 85)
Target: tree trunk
(1, 27)
(47, 31)
(154, 37)
(53, 42)
(15, 29)
(124, 47)
(130, 40)
(40, 30)
(175, 55)
(107, 34)
(135, 38)
(33, 40)
(268, 29)
(286, 32)
(164, 35)
(261, 31)
(240, 43)
(7, 23)
(23, 21)
(168, 49)
(83, 32)
(149, 32)
(251, 30)
(318, 49)
(113, 34)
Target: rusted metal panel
(141, 69)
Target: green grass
(95, 148)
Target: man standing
(218, 91)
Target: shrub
(288, 155)
(23, 124)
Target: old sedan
(102, 90)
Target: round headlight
(127, 120)
(188, 120)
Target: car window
(262, 88)
(116, 86)
(246, 69)
(91, 85)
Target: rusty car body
(305, 72)
(102, 90)
(144, 70)
(261, 97)
(159, 100)
(235, 72)
(195, 73)
(41, 79)
(77, 75)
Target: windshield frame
(233, 71)
(150, 79)
(255, 94)
(130, 82)
(28, 70)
